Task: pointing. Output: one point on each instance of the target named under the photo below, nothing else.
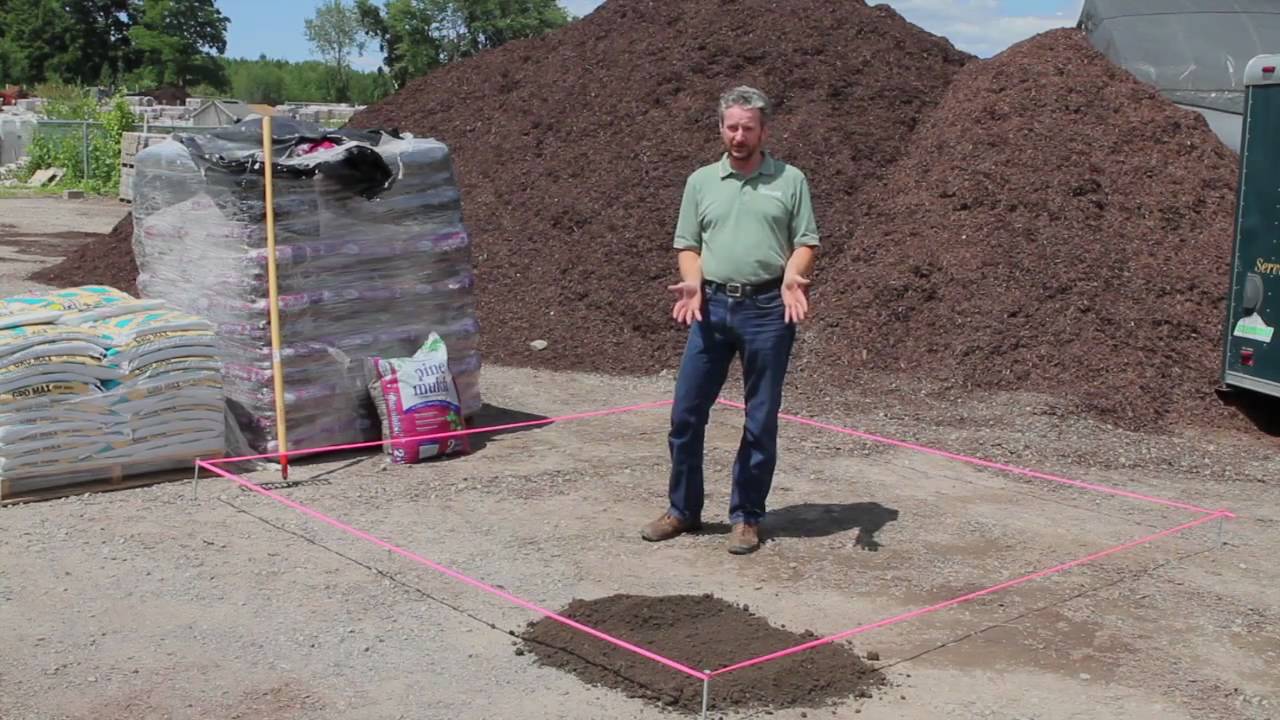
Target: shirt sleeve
(804, 226)
(688, 226)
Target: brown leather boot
(667, 527)
(743, 539)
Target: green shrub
(63, 145)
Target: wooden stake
(277, 371)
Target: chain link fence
(87, 152)
(70, 145)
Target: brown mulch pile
(107, 260)
(1056, 227)
(572, 150)
(1052, 226)
(1040, 221)
(701, 632)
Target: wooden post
(277, 371)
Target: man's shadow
(812, 520)
(497, 417)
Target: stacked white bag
(97, 384)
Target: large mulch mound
(702, 632)
(1040, 221)
(573, 148)
(1055, 227)
(1052, 226)
(106, 260)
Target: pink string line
(965, 598)
(453, 433)
(1209, 515)
(451, 573)
(989, 464)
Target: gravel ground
(35, 232)
(149, 603)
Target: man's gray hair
(745, 97)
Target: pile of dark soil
(106, 260)
(53, 244)
(1056, 227)
(702, 632)
(573, 148)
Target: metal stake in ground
(706, 692)
(84, 149)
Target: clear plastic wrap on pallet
(371, 253)
(95, 384)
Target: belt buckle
(733, 290)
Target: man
(746, 241)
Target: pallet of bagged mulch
(98, 386)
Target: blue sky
(982, 27)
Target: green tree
(179, 40)
(374, 26)
(416, 36)
(96, 43)
(260, 81)
(277, 81)
(367, 88)
(486, 24)
(65, 40)
(32, 34)
(335, 33)
(406, 32)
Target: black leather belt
(742, 290)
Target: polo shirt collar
(768, 166)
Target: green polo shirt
(746, 228)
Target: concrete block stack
(132, 143)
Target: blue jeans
(755, 329)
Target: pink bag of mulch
(415, 397)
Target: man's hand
(795, 297)
(688, 307)
(795, 283)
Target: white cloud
(983, 27)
